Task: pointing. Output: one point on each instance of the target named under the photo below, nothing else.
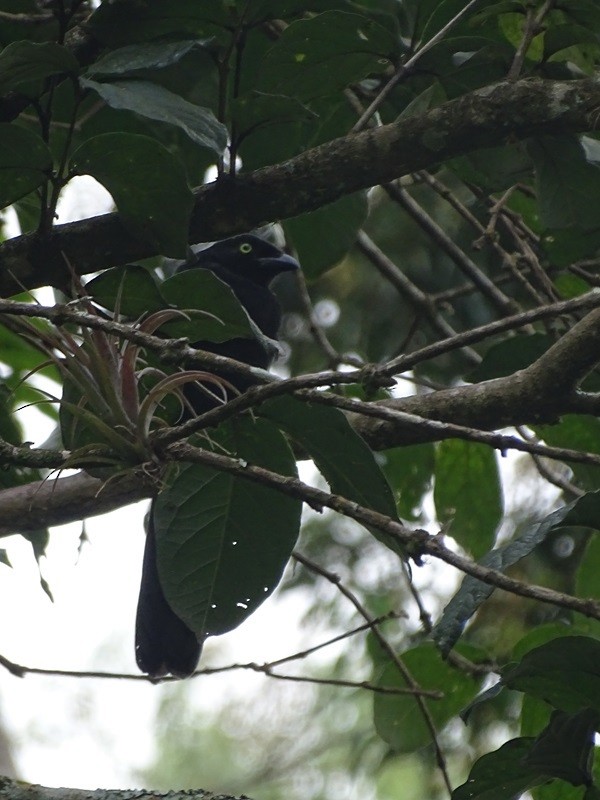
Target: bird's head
(247, 256)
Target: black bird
(248, 264)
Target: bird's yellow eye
(245, 248)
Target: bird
(247, 264)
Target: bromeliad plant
(113, 399)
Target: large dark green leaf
(564, 749)
(23, 62)
(270, 128)
(501, 775)
(398, 718)
(220, 317)
(323, 54)
(147, 55)
(155, 102)
(467, 493)
(25, 162)
(334, 227)
(564, 672)
(120, 162)
(409, 471)
(223, 542)
(560, 37)
(131, 291)
(340, 454)
(511, 355)
(495, 168)
(584, 512)
(213, 311)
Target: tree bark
(484, 118)
(19, 790)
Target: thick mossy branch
(485, 118)
(20, 790)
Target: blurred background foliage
(388, 272)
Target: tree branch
(20, 790)
(484, 118)
(538, 394)
(416, 543)
(37, 505)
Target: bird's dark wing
(164, 644)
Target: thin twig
(508, 260)
(486, 286)
(389, 651)
(417, 298)
(416, 542)
(533, 27)
(403, 69)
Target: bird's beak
(281, 263)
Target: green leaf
(585, 12)
(501, 775)
(586, 581)
(570, 286)
(334, 226)
(468, 493)
(325, 434)
(566, 246)
(270, 128)
(431, 97)
(4, 559)
(155, 102)
(560, 37)
(38, 540)
(409, 471)
(576, 432)
(200, 290)
(511, 355)
(223, 541)
(17, 352)
(25, 162)
(567, 183)
(148, 55)
(584, 512)
(564, 672)
(120, 162)
(502, 7)
(398, 718)
(435, 14)
(324, 54)
(564, 749)
(535, 637)
(535, 714)
(133, 286)
(495, 168)
(23, 62)
(219, 315)
(115, 24)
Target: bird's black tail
(163, 642)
